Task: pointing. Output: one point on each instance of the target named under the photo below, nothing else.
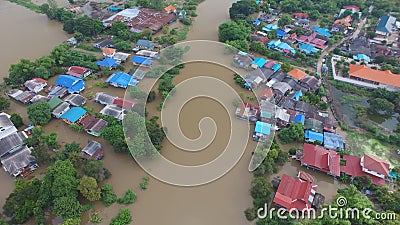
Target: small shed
(93, 150)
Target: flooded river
(221, 202)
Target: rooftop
(325, 160)
(74, 114)
(384, 77)
(297, 74)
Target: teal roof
(308, 49)
(262, 128)
(362, 57)
(74, 114)
(386, 24)
(322, 31)
(260, 62)
(270, 27)
(314, 136)
(278, 44)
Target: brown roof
(384, 77)
(109, 51)
(297, 74)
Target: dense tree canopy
(39, 113)
(243, 8)
(293, 133)
(123, 218)
(4, 103)
(231, 30)
(89, 188)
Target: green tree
(284, 20)
(39, 113)
(129, 197)
(89, 188)
(4, 103)
(123, 218)
(135, 92)
(16, 119)
(108, 197)
(94, 168)
(115, 136)
(230, 31)
(243, 8)
(242, 45)
(34, 140)
(117, 27)
(67, 207)
(123, 46)
(51, 141)
(293, 133)
(75, 221)
(151, 97)
(286, 67)
(261, 191)
(20, 204)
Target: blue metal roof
(362, 57)
(144, 43)
(386, 24)
(263, 128)
(276, 67)
(270, 27)
(260, 62)
(300, 119)
(107, 62)
(122, 79)
(307, 48)
(322, 31)
(256, 22)
(314, 136)
(297, 96)
(280, 33)
(142, 60)
(74, 114)
(73, 84)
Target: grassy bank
(27, 4)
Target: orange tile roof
(108, 51)
(169, 8)
(345, 21)
(297, 74)
(384, 77)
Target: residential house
(362, 58)
(295, 193)
(297, 74)
(310, 83)
(280, 34)
(374, 78)
(143, 45)
(113, 111)
(308, 49)
(281, 88)
(300, 118)
(73, 84)
(374, 166)
(58, 91)
(256, 22)
(137, 74)
(281, 46)
(346, 21)
(104, 98)
(257, 37)
(243, 60)
(93, 150)
(302, 22)
(142, 61)
(270, 27)
(333, 141)
(109, 52)
(104, 43)
(338, 28)
(79, 71)
(170, 9)
(6, 126)
(75, 100)
(311, 136)
(15, 164)
(300, 15)
(322, 31)
(35, 84)
(291, 39)
(282, 117)
(318, 158)
(314, 125)
(21, 96)
(126, 104)
(148, 54)
(258, 63)
(108, 63)
(12, 143)
(386, 25)
(296, 95)
(254, 79)
(122, 80)
(312, 40)
(72, 41)
(39, 98)
(267, 72)
(267, 94)
(93, 125)
(54, 102)
(352, 167)
(246, 111)
(262, 131)
(60, 109)
(270, 64)
(73, 115)
(267, 113)
(267, 18)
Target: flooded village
(321, 154)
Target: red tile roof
(77, 71)
(306, 176)
(384, 77)
(266, 93)
(312, 40)
(294, 193)
(345, 21)
(39, 80)
(123, 103)
(269, 64)
(297, 74)
(377, 165)
(169, 9)
(352, 167)
(356, 8)
(300, 15)
(318, 157)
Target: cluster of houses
(113, 106)
(15, 156)
(313, 40)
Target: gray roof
(18, 160)
(310, 82)
(104, 98)
(279, 76)
(75, 99)
(333, 141)
(282, 87)
(5, 120)
(91, 148)
(121, 56)
(60, 108)
(113, 111)
(39, 98)
(267, 72)
(137, 74)
(11, 143)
